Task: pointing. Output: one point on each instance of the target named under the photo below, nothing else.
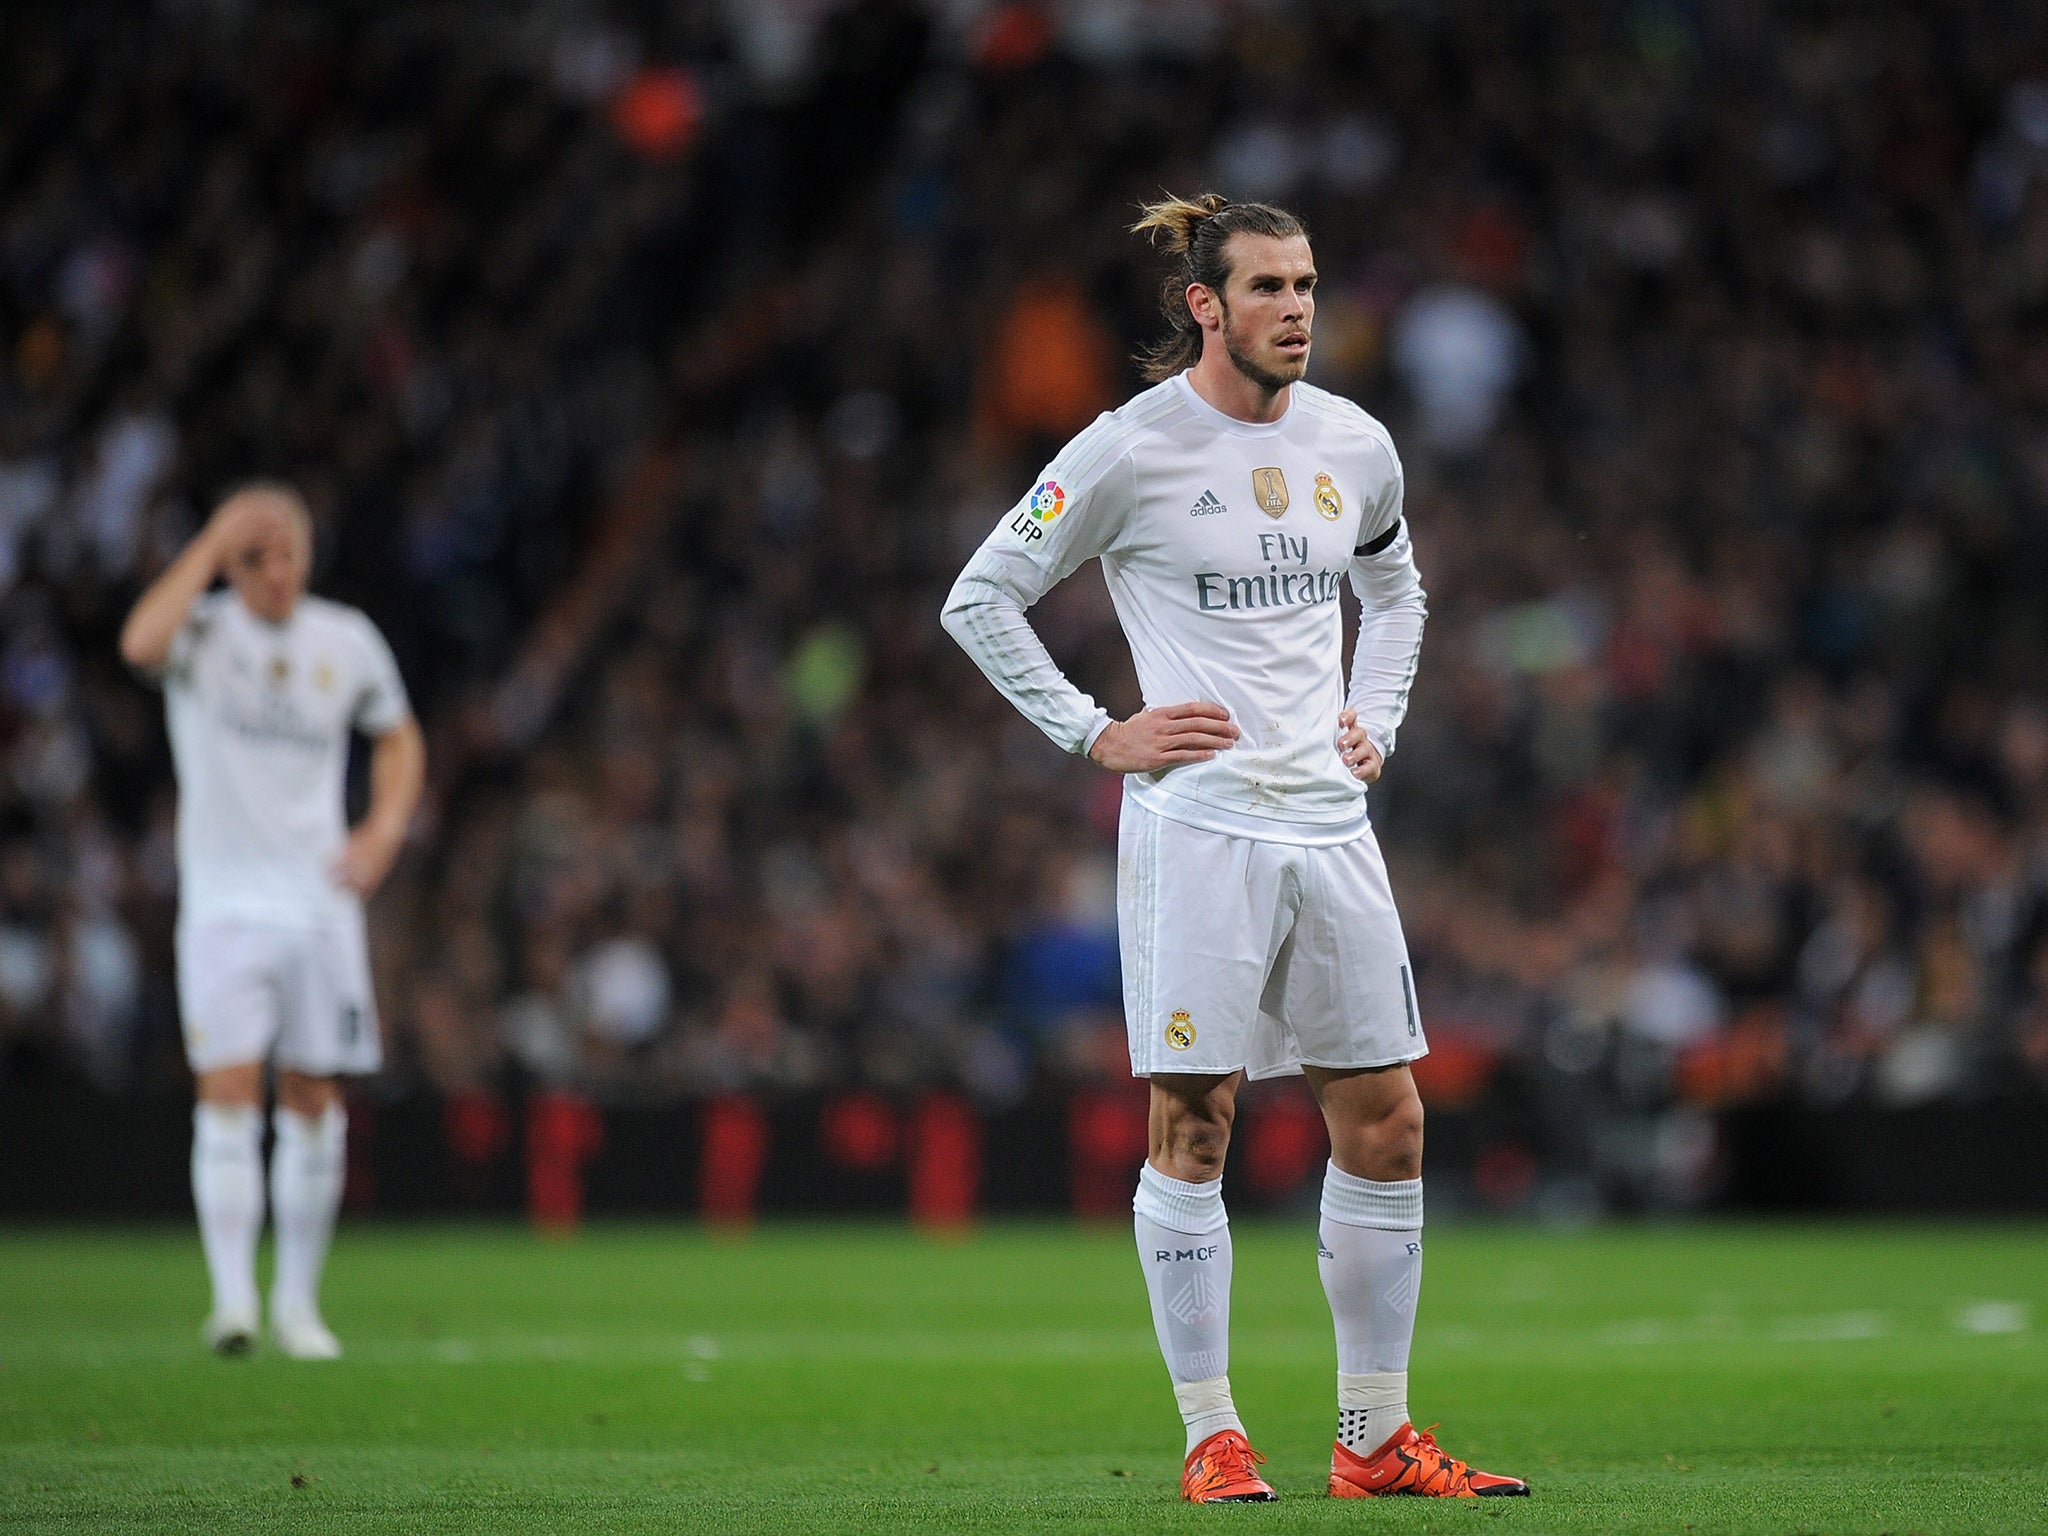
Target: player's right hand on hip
(366, 858)
(1161, 738)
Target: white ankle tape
(1378, 1389)
(1209, 1395)
(1356, 1202)
(1178, 1205)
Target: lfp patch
(1047, 502)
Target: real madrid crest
(1328, 502)
(1269, 490)
(1180, 1028)
(280, 671)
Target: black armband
(1380, 543)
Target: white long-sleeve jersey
(1225, 545)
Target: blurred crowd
(652, 369)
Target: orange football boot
(1415, 1464)
(1219, 1471)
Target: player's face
(268, 565)
(1269, 305)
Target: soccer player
(262, 686)
(1230, 504)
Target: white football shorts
(248, 991)
(1264, 956)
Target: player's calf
(307, 1168)
(227, 1191)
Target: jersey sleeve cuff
(1102, 723)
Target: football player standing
(263, 685)
(1230, 505)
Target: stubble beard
(1242, 359)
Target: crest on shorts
(1269, 490)
(1180, 1030)
(1328, 502)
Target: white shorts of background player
(298, 995)
(1242, 953)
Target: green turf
(863, 1379)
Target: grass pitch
(1702, 1379)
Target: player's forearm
(1383, 670)
(1393, 612)
(988, 622)
(398, 771)
(153, 623)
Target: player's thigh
(330, 1019)
(1195, 917)
(228, 998)
(1347, 991)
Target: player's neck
(272, 619)
(1222, 384)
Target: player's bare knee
(1404, 1123)
(1395, 1140)
(305, 1095)
(1190, 1135)
(234, 1087)
(1198, 1148)
(1381, 1142)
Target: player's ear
(1203, 305)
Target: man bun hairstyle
(1196, 230)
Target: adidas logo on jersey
(1208, 506)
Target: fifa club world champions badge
(1269, 490)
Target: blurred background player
(263, 686)
(1228, 505)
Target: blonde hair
(1197, 230)
(287, 495)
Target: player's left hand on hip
(1357, 750)
(365, 859)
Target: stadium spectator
(1724, 325)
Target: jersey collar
(1228, 423)
(260, 625)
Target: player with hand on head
(1230, 505)
(263, 685)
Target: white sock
(1184, 1245)
(227, 1191)
(306, 1170)
(1372, 1273)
